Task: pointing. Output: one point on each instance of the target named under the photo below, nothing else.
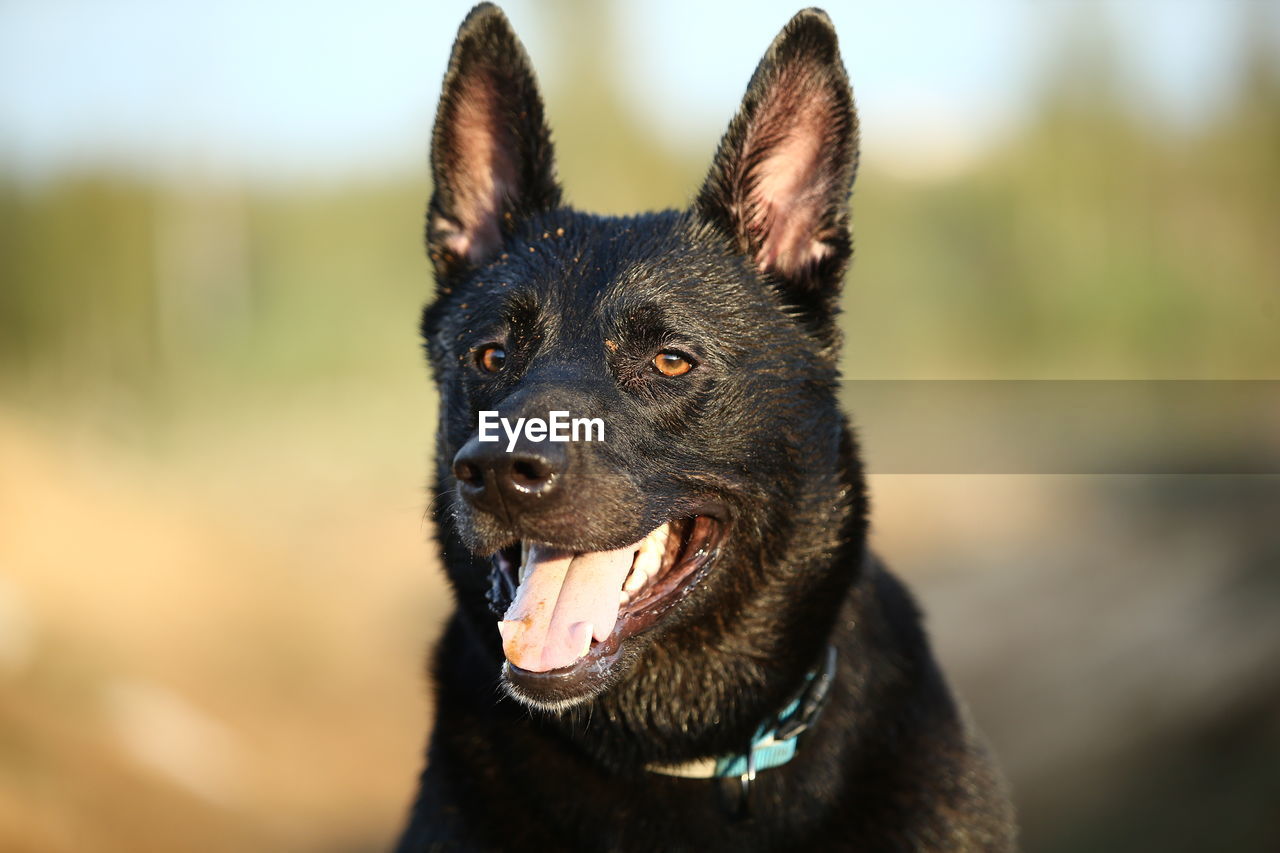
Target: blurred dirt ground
(207, 657)
(220, 647)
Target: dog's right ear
(491, 154)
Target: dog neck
(776, 739)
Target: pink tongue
(564, 601)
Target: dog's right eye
(491, 358)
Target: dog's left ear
(491, 156)
(779, 186)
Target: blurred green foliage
(1094, 242)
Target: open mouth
(571, 610)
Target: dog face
(703, 340)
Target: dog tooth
(524, 560)
(648, 563)
(638, 577)
(648, 559)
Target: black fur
(752, 435)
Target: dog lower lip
(691, 543)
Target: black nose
(492, 478)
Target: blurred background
(216, 581)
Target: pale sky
(302, 88)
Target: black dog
(695, 649)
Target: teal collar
(775, 740)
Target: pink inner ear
(790, 188)
(484, 171)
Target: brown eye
(672, 363)
(491, 358)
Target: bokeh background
(216, 580)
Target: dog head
(703, 342)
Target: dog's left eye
(671, 363)
(491, 358)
